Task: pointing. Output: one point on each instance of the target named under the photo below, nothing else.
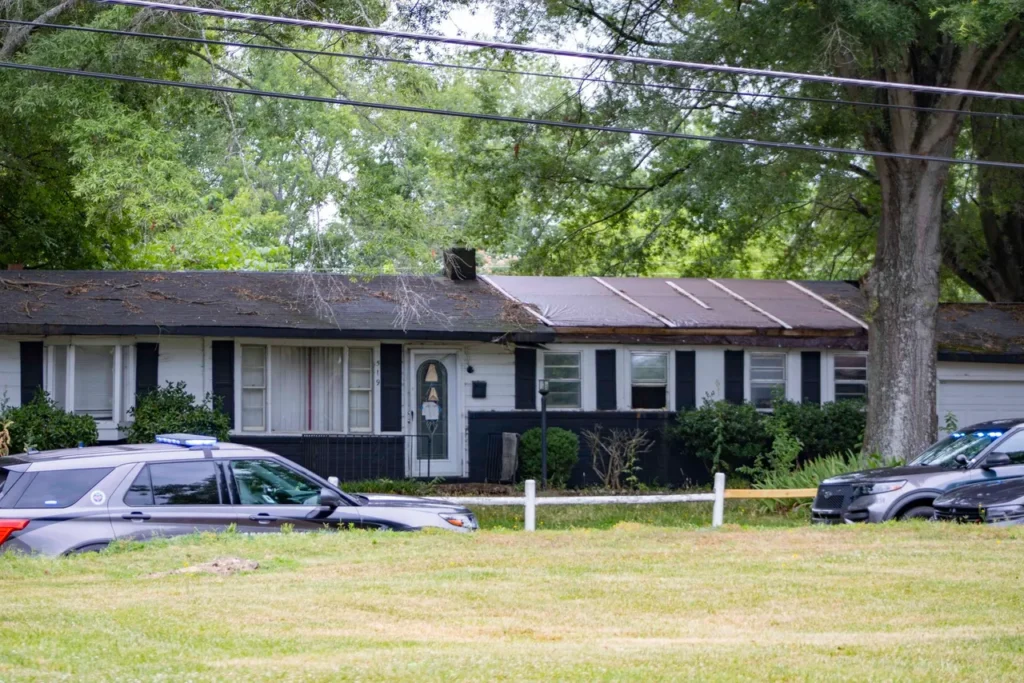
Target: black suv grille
(964, 515)
(835, 497)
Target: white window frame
(306, 343)
(542, 373)
(751, 382)
(348, 389)
(119, 402)
(832, 372)
(265, 388)
(627, 374)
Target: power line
(538, 49)
(539, 74)
(512, 119)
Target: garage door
(974, 401)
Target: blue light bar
(187, 440)
(958, 435)
(995, 434)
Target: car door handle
(136, 516)
(262, 518)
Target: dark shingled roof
(971, 332)
(258, 304)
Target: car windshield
(967, 444)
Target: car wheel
(919, 512)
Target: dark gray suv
(983, 453)
(82, 499)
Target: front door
(434, 451)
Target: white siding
(976, 392)
(494, 364)
(10, 372)
(183, 359)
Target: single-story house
(342, 373)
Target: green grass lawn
(688, 515)
(640, 602)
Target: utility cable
(512, 119)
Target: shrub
(563, 454)
(172, 409)
(737, 438)
(44, 425)
(614, 455)
(823, 429)
(724, 436)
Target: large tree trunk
(903, 288)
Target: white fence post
(718, 511)
(531, 504)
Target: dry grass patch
(898, 602)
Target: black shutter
(810, 376)
(147, 359)
(224, 377)
(734, 377)
(31, 370)
(686, 380)
(391, 387)
(607, 393)
(526, 379)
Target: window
(94, 381)
(254, 388)
(306, 389)
(851, 377)
(90, 379)
(298, 389)
(190, 482)
(61, 488)
(649, 381)
(767, 378)
(265, 482)
(1013, 446)
(562, 370)
(360, 389)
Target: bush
(823, 429)
(172, 409)
(723, 435)
(563, 454)
(737, 438)
(43, 425)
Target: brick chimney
(460, 264)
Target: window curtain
(327, 389)
(306, 389)
(289, 389)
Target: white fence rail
(530, 500)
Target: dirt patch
(223, 566)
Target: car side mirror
(329, 498)
(961, 460)
(996, 460)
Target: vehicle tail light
(9, 526)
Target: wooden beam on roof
(828, 303)
(691, 297)
(501, 290)
(663, 320)
(751, 304)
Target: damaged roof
(259, 304)
(514, 308)
(965, 331)
(677, 303)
